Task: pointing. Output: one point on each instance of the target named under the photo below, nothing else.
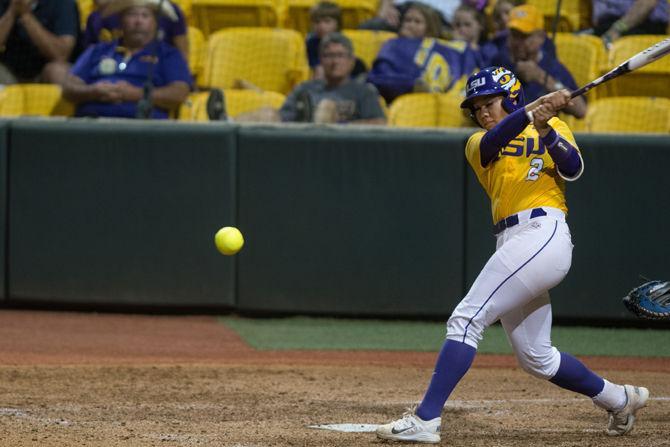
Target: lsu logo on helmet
(508, 81)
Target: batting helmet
(495, 81)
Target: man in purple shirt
(108, 78)
(540, 71)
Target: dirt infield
(70, 379)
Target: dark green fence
(336, 221)
(4, 141)
(351, 222)
(120, 213)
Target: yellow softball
(228, 240)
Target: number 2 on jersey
(536, 165)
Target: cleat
(411, 428)
(621, 421)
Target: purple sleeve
(93, 27)
(178, 28)
(498, 137)
(565, 156)
(174, 67)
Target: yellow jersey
(524, 175)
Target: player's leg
(528, 329)
(501, 286)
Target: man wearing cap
(101, 29)
(37, 38)
(540, 72)
(108, 78)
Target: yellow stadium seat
(354, 12)
(33, 100)
(11, 100)
(196, 52)
(449, 110)
(367, 43)
(236, 102)
(194, 108)
(574, 15)
(575, 124)
(583, 55)
(213, 15)
(629, 114)
(429, 110)
(652, 80)
(270, 58)
(414, 110)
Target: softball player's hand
(541, 115)
(558, 99)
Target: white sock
(612, 397)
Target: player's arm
(636, 14)
(53, 47)
(513, 124)
(499, 136)
(567, 158)
(7, 23)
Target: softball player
(522, 158)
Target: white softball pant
(531, 258)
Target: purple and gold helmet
(495, 81)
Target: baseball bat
(641, 59)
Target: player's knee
(464, 330)
(542, 364)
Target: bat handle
(580, 91)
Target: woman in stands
(417, 61)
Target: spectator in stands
(500, 15)
(498, 41)
(108, 78)
(615, 18)
(412, 63)
(336, 98)
(326, 18)
(104, 29)
(37, 37)
(470, 26)
(540, 72)
(390, 12)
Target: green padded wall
(4, 179)
(619, 216)
(351, 222)
(120, 212)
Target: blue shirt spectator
(108, 78)
(540, 72)
(498, 43)
(108, 62)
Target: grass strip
(307, 333)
